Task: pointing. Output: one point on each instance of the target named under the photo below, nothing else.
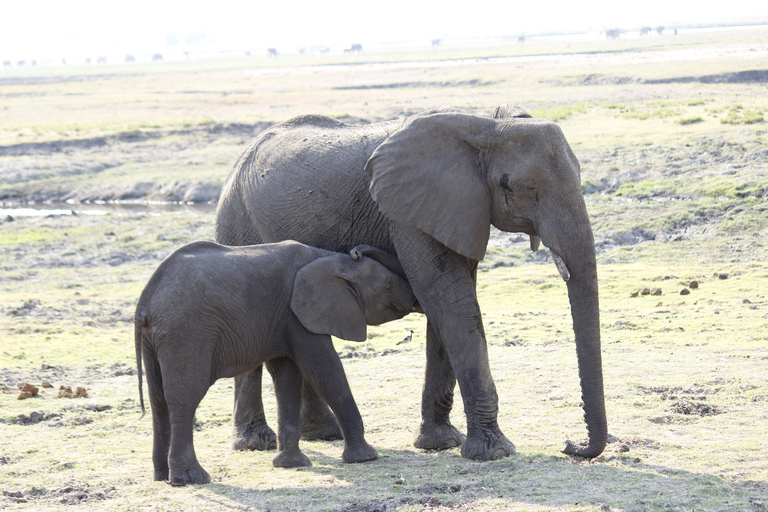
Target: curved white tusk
(561, 267)
(535, 241)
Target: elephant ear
(428, 175)
(326, 302)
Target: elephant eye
(531, 187)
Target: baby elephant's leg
(287, 380)
(320, 365)
(185, 469)
(161, 421)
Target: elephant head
(453, 176)
(341, 294)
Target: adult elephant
(426, 188)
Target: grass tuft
(689, 120)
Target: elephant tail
(140, 321)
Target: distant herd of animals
(129, 57)
(354, 48)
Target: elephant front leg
(444, 283)
(251, 431)
(465, 343)
(323, 371)
(436, 431)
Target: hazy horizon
(87, 29)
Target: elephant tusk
(561, 267)
(535, 241)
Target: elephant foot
(194, 474)
(290, 459)
(359, 453)
(438, 437)
(320, 426)
(489, 445)
(161, 475)
(254, 436)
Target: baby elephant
(211, 311)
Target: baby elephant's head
(340, 294)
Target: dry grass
(685, 375)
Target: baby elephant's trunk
(388, 260)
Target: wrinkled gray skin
(426, 188)
(211, 311)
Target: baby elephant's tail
(140, 321)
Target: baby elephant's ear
(325, 301)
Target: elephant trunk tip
(587, 450)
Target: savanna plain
(128, 160)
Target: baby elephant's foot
(290, 459)
(359, 453)
(161, 475)
(194, 474)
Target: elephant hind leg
(161, 423)
(288, 383)
(161, 441)
(436, 431)
(182, 461)
(184, 385)
(184, 467)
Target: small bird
(407, 339)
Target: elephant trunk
(582, 294)
(388, 260)
(574, 255)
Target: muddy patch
(134, 136)
(69, 416)
(675, 392)
(753, 76)
(686, 403)
(34, 417)
(740, 77)
(70, 494)
(417, 85)
(694, 408)
(366, 352)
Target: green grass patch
(740, 115)
(614, 106)
(727, 186)
(560, 113)
(689, 120)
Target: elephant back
(305, 180)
